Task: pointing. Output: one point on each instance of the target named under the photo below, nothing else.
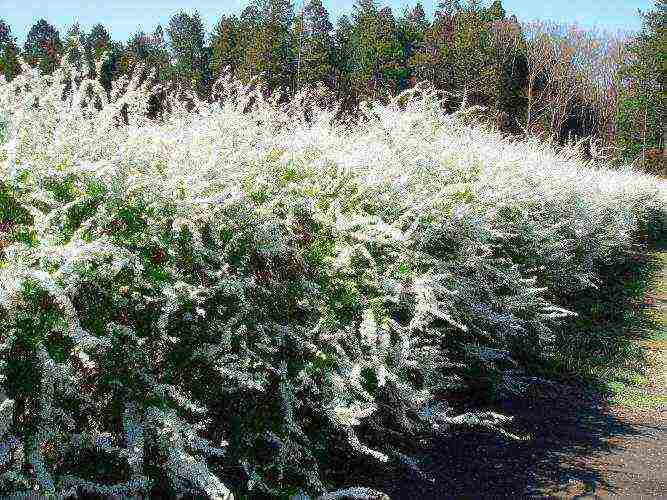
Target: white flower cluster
(220, 290)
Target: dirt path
(583, 445)
(632, 464)
(635, 466)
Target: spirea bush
(227, 298)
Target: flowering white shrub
(216, 290)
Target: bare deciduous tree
(568, 65)
(604, 83)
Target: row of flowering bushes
(226, 299)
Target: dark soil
(580, 447)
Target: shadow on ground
(567, 432)
(578, 440)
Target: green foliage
(312, 46)
(643, 106)
(149, 50)
(601, 346)
(191, 64)
(9, 52)
(413, 28)
(43, 46)
(462, 53)
(378, 69)
(266, 43)
(343, 60)
(74, 46)
(98, 43)
(225, 45)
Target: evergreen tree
(97, 43)
(458, 55)
(433, 59)
(393, 68)
(474, 76)
(364, 70)
(9, 53)
(267, 43)
(379, 58)
(508, 46)
(495, 12)
(343, 57)
(313, 46)
(5, 33)
(98, 39)
(225, 44)
(413, 28)
(249, 24)
(642, 119)
(190, 58)
(43, 47)
(149, 50)
(74, 46)
(448, 8)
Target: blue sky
(124, 17)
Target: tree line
(532, 78)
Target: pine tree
(313, 46)
(379, 59)
(159, 38)
(365, 74)
(500, 43)
(98, 39)
(149, 50)
(343, 56)
(9, 53)
(642, 117)
(508, 46)
(495, 12)
(187, 43)
(74, 46)
(43, 47)
(225, 43)
(393, 67)
(457, 54)
(433, 59)
(266, 43)
(448, 8)
(413, 28)
(5, 33)
(474, 75)
(99, 42)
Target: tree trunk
(530, 104)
